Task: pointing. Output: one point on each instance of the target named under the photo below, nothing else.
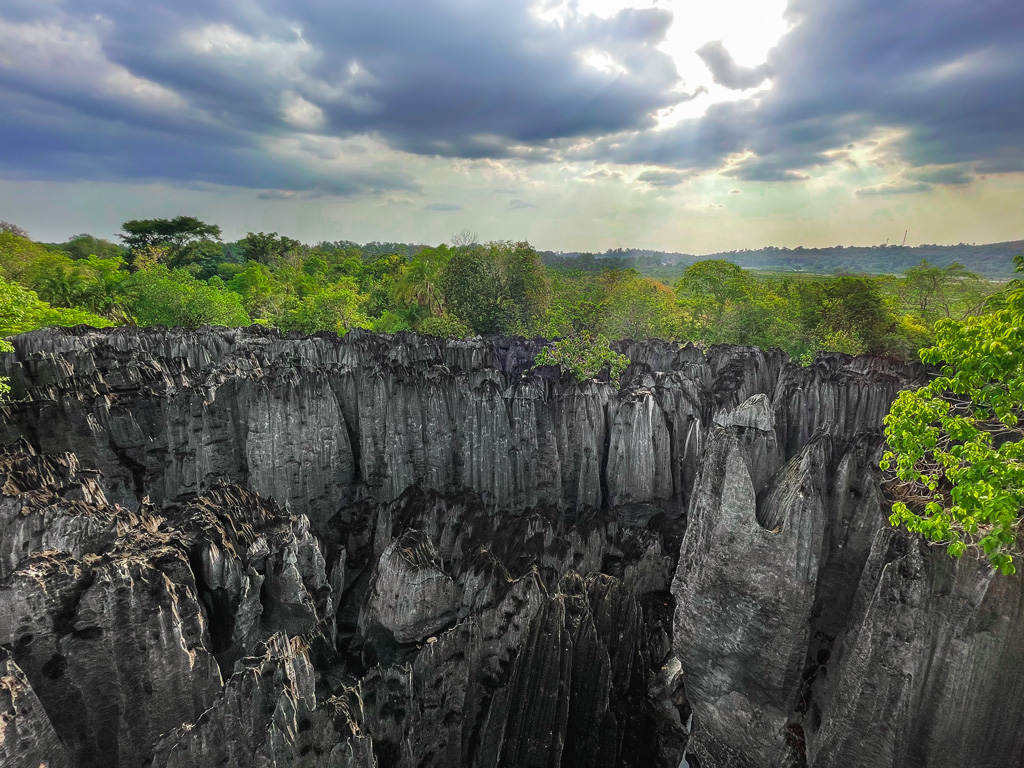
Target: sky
(574, 124)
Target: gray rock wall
(233, 547)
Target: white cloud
(301, 113)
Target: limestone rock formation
(241, 548)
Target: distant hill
(994, 260)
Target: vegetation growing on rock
(957, 444)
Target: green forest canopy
(179, 272)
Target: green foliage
(18, 254)
(577, 303)
(419, 280)
(270, 249)
(851, 316)
(256, 289)
(930, 293)
(497, 288)
(182, 237)
(584, 356)
(5, 383)
(83, 246)
(158, 295)
(636, 307)
(189, 277)
(390, 322)
(445, 325)
(338, 308)
(22, 310)
(956, 453)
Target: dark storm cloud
(473, 80)
(725, 71)
(945, 81)
(40, 143)
(214, 90)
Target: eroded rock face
(237, 548)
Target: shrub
(584, 356)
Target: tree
(956, 445)
(419, 280)
(931, 292)
(178, 236)
(849, 314)
(256, 288)
(270, 249)
(465, 238)
(21, 310)
(83, 246)
(18, 254)
(501, 287)
(637, 307)
(577, 303)
(445, 326)
(158, 295)
(706, 290)
(338, 308)
(14, 229)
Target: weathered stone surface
(236, 547)
(114, 648)
(26, 733)
(929, 672)
(411, 597)
(267, 717)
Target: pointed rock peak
(754, 412)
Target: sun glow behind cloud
(748, 29)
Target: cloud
(726, 72)
(912, 180)
(951, 174)
(848, 72)
(664, 178)
(332, 98)
(437, 79)
(602, 173)
(520, 204)
(735, 191)
(896, 187)
(443, 207)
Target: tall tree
(419, 281)
(267, 248)
(706, 290)
(83, 246)
(178, 236)
(931, 292)
(501, 287)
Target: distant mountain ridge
(994, 260)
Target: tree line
(180, 272)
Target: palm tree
(62, 286)
(418, 283)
